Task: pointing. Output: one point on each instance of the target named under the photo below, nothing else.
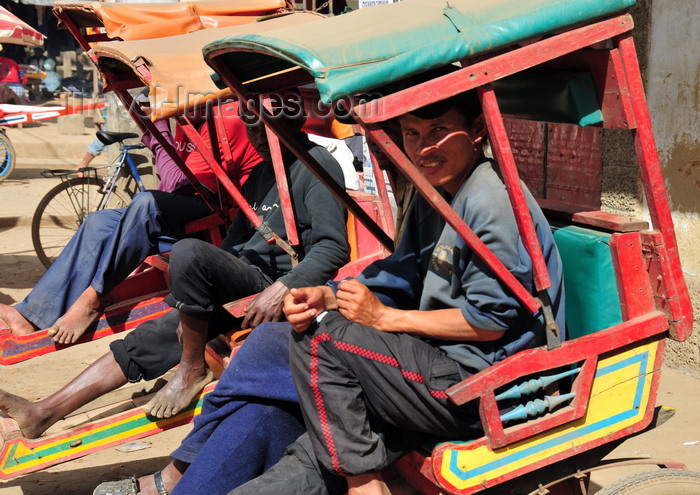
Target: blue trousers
(247, 421)
(107, 247)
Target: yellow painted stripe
(619, 399)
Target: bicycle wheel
(63, 210)
(661, 482)
(7, 157)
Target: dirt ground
(678, 439)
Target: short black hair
(466, 103)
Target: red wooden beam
(533, 361)
(390, 149)
(633, 285)
(653, 180)
(511, 179)
(492, 69)
(282, 182)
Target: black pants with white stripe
(367, 395)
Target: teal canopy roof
(371, 47)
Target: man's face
(444, 148)
(258, 138)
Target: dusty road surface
(678, 439)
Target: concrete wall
(667, 35)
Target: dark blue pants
(107, 247)
(246, 421)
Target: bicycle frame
(111, 181)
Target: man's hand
(303, 305)
(358, 304)
(266, 307)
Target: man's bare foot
(32, 422)
(367, 484)
(185, 384)
(13, 319)
(83, 313)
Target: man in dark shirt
(201, 278)
(245, 264)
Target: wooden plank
(593, 218)
(574, 164)
(20, 456)
(125, 316)
(610, 221)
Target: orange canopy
(173, 68)
(139, 21)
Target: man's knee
(190, 254)
(267, 338)
(143, 200)
(105, 220)
(141, 211)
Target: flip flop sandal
(160, 486)
(121, 487)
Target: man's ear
(479, 129)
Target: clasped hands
(353, 299)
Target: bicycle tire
(659, 482)
(62, 210)
(7, 157)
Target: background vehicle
(13, 30)
(7, 156)
(64, 208)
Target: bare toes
(154, 407)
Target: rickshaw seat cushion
(592, 299)
(348, 55)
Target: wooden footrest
(120, 317)
(19, 456)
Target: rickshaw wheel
(661, 482)
(7, 156)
